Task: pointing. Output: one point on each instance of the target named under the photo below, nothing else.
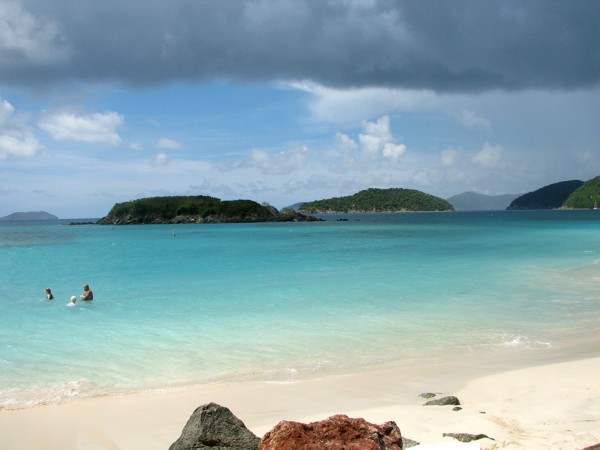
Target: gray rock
(427, 395)
(408, 443)
(214, 427)
(466, 437)
(450, 400)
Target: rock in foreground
(215, 427)
(444, 401)
(338, 432)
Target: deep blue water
(187, 304)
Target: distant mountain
(549, 197)
(295, 206)
(378, 200)
(472, 201)
(586, 196)
(22, 216)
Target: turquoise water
(187, 304)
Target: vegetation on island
(587, 196)
(196, 209)
(378, 200)
(549, 197)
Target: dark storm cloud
(450, 46)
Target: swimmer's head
(73, 299)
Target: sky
(285, 101)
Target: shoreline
(553, 402)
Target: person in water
(49, 295)
(73, 301)
(87, 293)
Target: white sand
(553, 406)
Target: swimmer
(49, 295)
(73, 301)
(87, 293)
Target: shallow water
(187, 304)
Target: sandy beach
(554, 405)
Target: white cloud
(378, 143)
(449, 157)
(348, 151)
(370, 145)
(168, 144)
(353, 105)
(16, 139)
(345, 143)
(160, 159)
(373, 149)
(6, 112)
(489, 156)
(284, 162)
(23, 36)
(258, 157)
(471, 119)
(97, 128)
(13, 147)
(393, 151)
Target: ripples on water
(279, 302)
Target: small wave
(518, 341)
(16, 398)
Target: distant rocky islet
(28, 216)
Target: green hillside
(379, 200)
(549, 197)
(195, 209)
(587, 196)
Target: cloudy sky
(282, 101)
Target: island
(28, 216)
(197, 209)
(378, 200)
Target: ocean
(178, 305)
